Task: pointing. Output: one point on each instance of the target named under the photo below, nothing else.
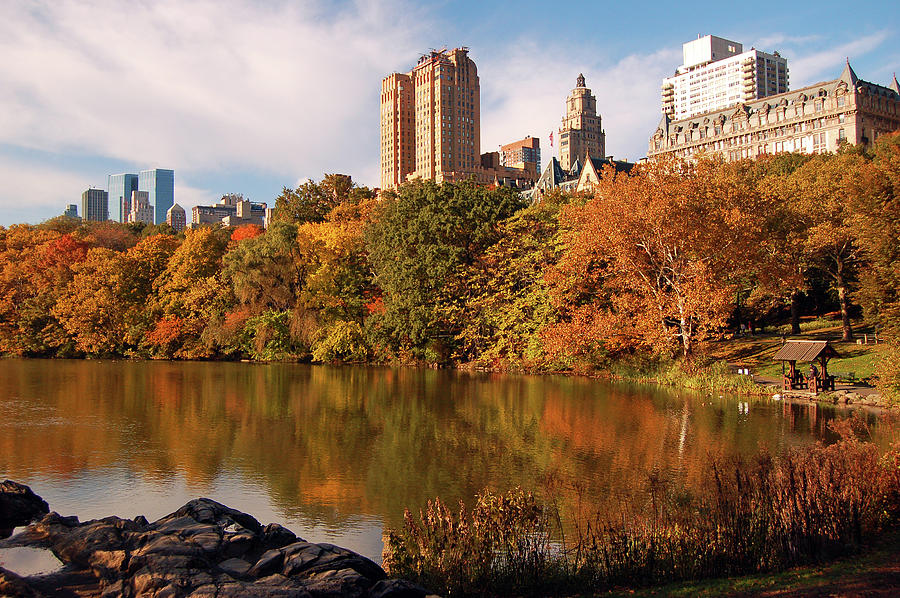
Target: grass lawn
(875, 572)
(757, 351)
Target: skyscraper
(120, 187)
(95, 205)
(159, 183)
(717, 73)
(71, 211)
(431, 120)
(582, 129)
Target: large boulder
(203, 549)
(18, 506)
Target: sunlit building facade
(717, 73)
(815, 119)
(431, 120)
(582, 129)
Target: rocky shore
(204, 549)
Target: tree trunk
(686, 332)
(795, 312)
(841, 285)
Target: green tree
(508, 302)
(419, 243)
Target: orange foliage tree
(650, 259)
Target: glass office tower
(160, 184)
(120, 188)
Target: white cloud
(826, 64)
(770, 43)
(276, 87)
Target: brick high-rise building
(525, 153)
(582, 129)
(176, 218)
(717, 73)
(431, 120)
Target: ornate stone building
(581, 130)
(817, 118)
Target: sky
(252, 96)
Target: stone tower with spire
(581, 130)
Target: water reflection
(337, 453)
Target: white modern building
(717, 73)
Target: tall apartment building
(523, 154)
(159, 183)
(71, 211)
(814, 119)
(95, 205)
(717, 73)
(431, 120)
(120, 187)
(140, 208)
(582, 130)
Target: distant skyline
(246, 97)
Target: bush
(754, 515)
(500, 546)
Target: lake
(337, 453)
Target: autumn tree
(661, 247)
(264, 274)
(877, 222)
(91, 309)
(189, 295)
(827, 188)
(311, 201)
(338, 283)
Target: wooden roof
(804, 351)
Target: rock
(236, 568)
(202, 549)
(13, 586)
(19, 506)
(277, 536)
(396, 588)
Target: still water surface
(336, 454)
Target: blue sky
(248, 97)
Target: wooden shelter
(810, 352)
